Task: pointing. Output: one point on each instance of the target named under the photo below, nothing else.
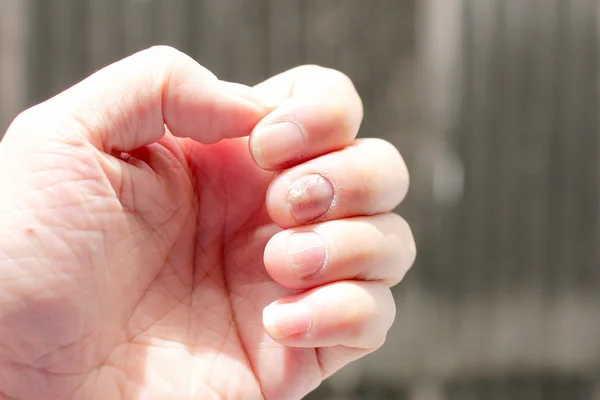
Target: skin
(144, 232)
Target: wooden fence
(494, 104)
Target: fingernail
(277, 144)
(307, 253)
(310, 197)
(285, 320)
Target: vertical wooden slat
(193, 25)
(138, 32)
(168, 23)
(249, 45)
(285, 39)
(578, 104)
(539, 52)
(324, 21)
(13, 78)
(214, 36)
(40, 52)
(106, 32)
(68, 35)
(499, 134)
(587, 165)
(471, 242)
(568, 143)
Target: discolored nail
(307, 253)
(310, 197)
(285, 320)
(277, 144)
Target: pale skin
(155, 242)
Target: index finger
(316, 110)
(126, 105)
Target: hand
(138, 250)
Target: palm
(202, 311)
(187, 320)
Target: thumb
(127, 104)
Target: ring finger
(376, 248)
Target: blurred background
(493, 103)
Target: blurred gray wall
(493, 103)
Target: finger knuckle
(388, 310)
(377, 339)
(385, 147)
(345, 109)
(402, 178)
(404, 227)
(397, 175)
(406, 251)
(377, 319)
(350, 108)
(374, 333)
(165, 60)
(164, 52)
(410, 249)
(363, 188)
(335, 77)
(25, 120)
(34, 122)
(389, 173)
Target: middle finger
(366, 178)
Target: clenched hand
(166, 235)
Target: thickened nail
(307, 253)
(277, 144)
(310, 197)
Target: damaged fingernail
(310, 197)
